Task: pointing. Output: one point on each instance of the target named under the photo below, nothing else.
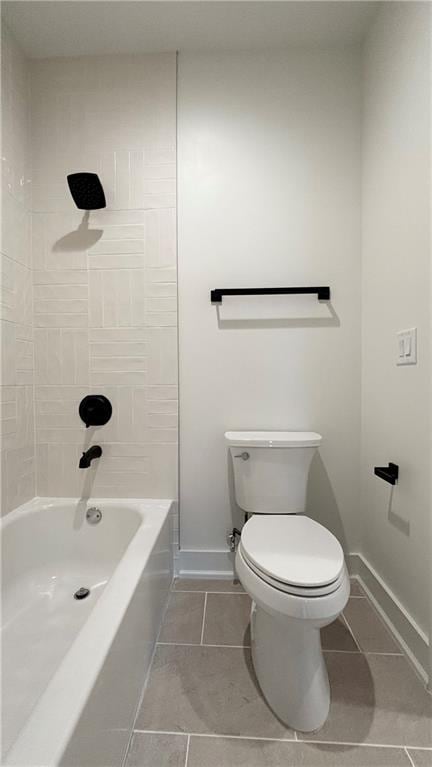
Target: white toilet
(293, 569)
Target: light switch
(407, 347)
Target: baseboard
(411, 638)
(189, 563)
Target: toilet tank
(271, 469)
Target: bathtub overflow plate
(93, 515)
(82, 593)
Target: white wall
(396, 295)
(105, 309)
(16, 390)
(269, 194)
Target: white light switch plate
(407, 347)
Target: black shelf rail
(216, 296)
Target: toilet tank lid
(273, 438)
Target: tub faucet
(93, 452)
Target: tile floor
(202, 706)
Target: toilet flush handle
(244, 456)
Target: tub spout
(93, 452)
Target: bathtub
(74, 669)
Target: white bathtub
(73, 671)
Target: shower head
(86, 190)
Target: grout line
(200, 591)
(365, 652)
(352, 743)
(392, 654)
(204, 644)
(203, 619)
(187, 751)
(248, 646)
(351, 632)
(232, 593)
(409, 757)
(216, 735)
(296, 737)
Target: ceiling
(69, 28)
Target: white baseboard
(189, 563)
(411, 638)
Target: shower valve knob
(95, 410)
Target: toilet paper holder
(388, 473)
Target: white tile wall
(101, 309)
(105, 306)
(16, 390)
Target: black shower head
(86, 190)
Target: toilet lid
(292, 549)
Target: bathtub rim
(50, 726)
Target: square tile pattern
(203, 707)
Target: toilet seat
(289, 588)
(293, 554)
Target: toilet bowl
(298, 585)
(293, 569)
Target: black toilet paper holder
(388, 473)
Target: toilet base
(290, 668)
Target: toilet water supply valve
(232, 538)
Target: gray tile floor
(203, 708)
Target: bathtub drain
(82, 593)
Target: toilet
(292, 567)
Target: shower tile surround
(105, 298)
(16, 391)
(104, 289)
(202, 707)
